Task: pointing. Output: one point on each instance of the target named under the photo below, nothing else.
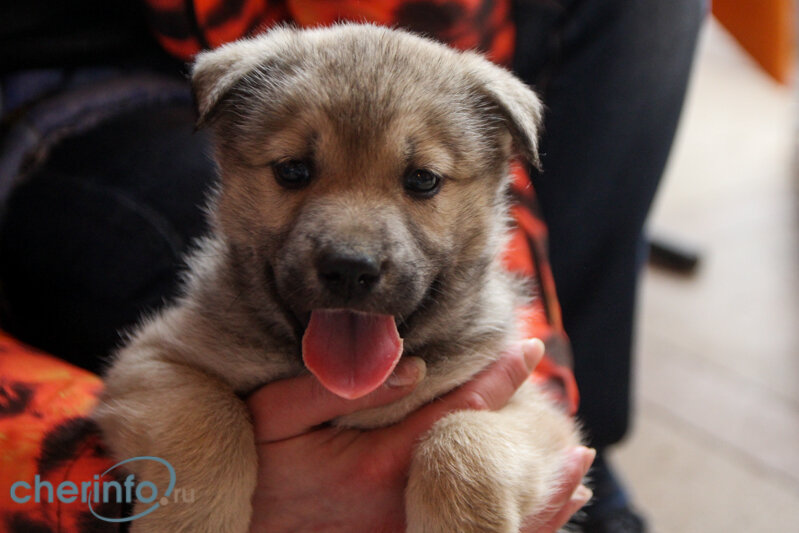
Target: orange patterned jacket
(44, 403)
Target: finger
(489, 390)
(569, 498)
(293, 406)
(579, 498)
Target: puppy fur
(364, 104)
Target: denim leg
(96, 235)
(613, 76)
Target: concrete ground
(715, 442)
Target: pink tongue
(351, 353)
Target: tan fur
(365, 104)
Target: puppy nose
(348, 274)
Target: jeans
(613, 76)
(109, 179)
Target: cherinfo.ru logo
(101, 491)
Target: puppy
(360, 217)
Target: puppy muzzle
(348, 274)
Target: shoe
(623, 520)
(610, 510)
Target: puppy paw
(468, 475)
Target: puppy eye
(422, 183)
(292, 174)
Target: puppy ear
(214, 73)
(519, 106)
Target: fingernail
(582, 494)
(409, 372)
(533, 350)
(588, 455)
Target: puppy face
(361, 168)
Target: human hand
(319, 478)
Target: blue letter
(85, 491)
(106, 486)
(61, 492)
(37, 487)
(128, 484)
(14, 496)
(153, 492)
